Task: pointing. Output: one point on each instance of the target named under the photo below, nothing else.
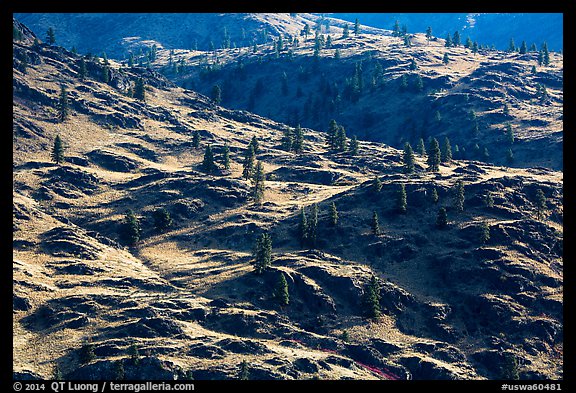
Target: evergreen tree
(262, 253)
(208, 162)
(331, 134)
(345, 32)
(259, 186)
(333, 215)
(475, 47)
(523, 48)
(341, 139)
(82, 70)
(459, 196)
(131, 228)
(244, 373)
(288, 139)
(429, 33)
(533, 47)
(298, 139)
(434, 156)
(509, 156)
(134, 354)
(468, 43)
(58, 150)
(442, 218)
(63, 105)
(337, 54)
(303, 228)
(540, 203)
(401, 204)
(86, 353)
(413, 65)
(140, 90)
(545, 54)
(216, 94)
(372, 298)
(456, 38)
(445, 59)
(485, 154)
(356, 27)
(396, 29)
(16, 33)
(162, 219)
(255, 145)
(418, 83)
(408, 158)
(50, 36)
(313, 226)
(119, 372)
(446, 153)
(353, 146)
(421, 149)
(540, 58)
(484, 233)
(448, 43)
(512, 46)
(195, 139)
(533, 71)
(434, 195)
(105, 74)
(489, 200)
(376, 185)
(509, 134)
(281, 294)
(407, 42)
(226, 157)
(375, 225)
(248, 166)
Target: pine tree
(281, 294)
(445, 59)
(509, 134)
(448, 43)
(376, 185)
(545, 54)
(475, 47)
(313, 226)
(420, 148)
(331, 134)
(468, 43)
(446, 153)
(434, 195)
(442, 218)
(523, 48)
(298, 139)
(484, 233)
(434, 156)
(353, 146)
(540, 203)
(407, 42)
(259, 186)
(287, 139)
(82, 69)
(509, 156)
(375, 225)
(195, 139)
(16, 33)
(50, 36)
(303, 228)
(356, 27)
(533, 70)
(208, 162)
(262, 253)
(216, 94)
(489, 200)
(140, 90)
(255, 145)
(459, 196)
(333, 215)
(408, 158)
(226, 157)
(105, 74)
(512, 46)
(533, 47)
(162, 219)
(429, 33)
(345, 32)
(337, 54)
(63, 105)
(456, 38)
(418, 83)
(372, 298)
(401, 204)
(341, 139)
(58, 150)
(396, 29)
(248, 165)
(131, 228)
(244, 373)
(540, 58)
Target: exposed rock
(112, 161)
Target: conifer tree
(418, 83)
(313, 226)
(401, 204)
(413, 65)
(255, 144)
(523, 48)
(244, 373)
(512, 46)
(287, 139)
(82, 69)
(408, 158)
(341, 139)
(468, 43)
(509, 156)
(333, 215)
(259, 186)
(540, 203)
(262, 253)
(50, 36)
(509, 134)
(195, 139)
(353, 146)
(434, 195)
(337, 54)
(533, 47)
(303, 228)
(162, 219)
(356, 27)
(208, 162)
(86, 353)
(140, 90)
(58, 150)
(428, 33)
(281, 294)
(376, 185)
(484, 232)
(248, 165)
(57, 373)
(446, 152)
(63, 105)
(456, 38)
(375, 225)
(445, 59)
(442, 218)
(448, 43)
(396, 29)
(545, 54)
(216, 94)
(105, 74)
(372, 298)
(226, 157)
(433, 156)
(475, 47)
(459, 196)
(298, 144)
(421, 149)
(131, 229)
(345, 31)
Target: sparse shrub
(130, 231)
(162, 219)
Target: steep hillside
(184, 301)
(471, 99)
